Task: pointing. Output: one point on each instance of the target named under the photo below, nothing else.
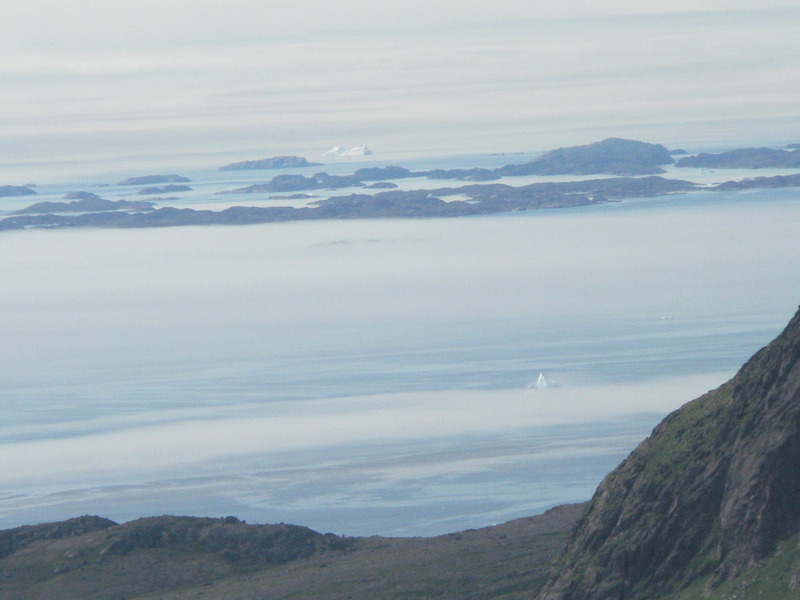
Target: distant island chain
(625, 169)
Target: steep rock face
(707, 496)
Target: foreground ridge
(703, 503)
(185, 558)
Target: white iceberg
(361, 150)
(542, 383)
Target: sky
(154, 81)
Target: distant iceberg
(543, 383)
(341, 151)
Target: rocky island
(382, 173)
(475, 199)
(607, 156)
(294, 183)
(164, 189)
(473, 174)
(154, 179)
(614, 156)
(15, 190)
(777, 181)
(745, 158)
(87, 203)
(482, 199)
(275, 162)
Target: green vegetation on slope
(182, 558)
(708, 496)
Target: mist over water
(369, 376)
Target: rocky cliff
(710, 498)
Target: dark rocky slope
(704, 501)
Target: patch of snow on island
(355, 151)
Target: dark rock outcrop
(275, 162)
(154, 179)
(231, 538)
(14, 540)
(614, 156)
(708, 496)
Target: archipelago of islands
(626, 169)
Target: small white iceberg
(542, 383)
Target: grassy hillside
(709, 501)
(172, 558)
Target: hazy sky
(83, 80)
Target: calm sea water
(369, 377)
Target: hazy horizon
(142, 83)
